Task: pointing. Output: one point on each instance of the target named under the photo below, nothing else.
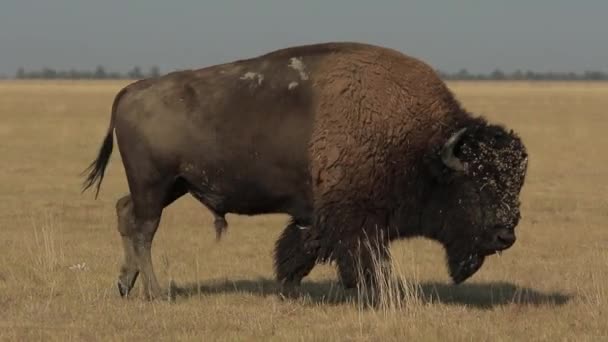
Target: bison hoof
(290, 288)
(122, 289)
(289, 291)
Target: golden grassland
(60, 250)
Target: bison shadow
(480, 295)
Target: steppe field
(60, 251)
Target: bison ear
(443, 164)
(439, 172)
(448, 157)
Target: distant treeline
(528, 75)
(136, 73)
(100, 73)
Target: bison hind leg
(129, 269)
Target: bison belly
(250, 189)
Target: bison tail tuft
(97, 168)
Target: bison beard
(463, 265)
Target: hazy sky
(561, 35)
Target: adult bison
(357, 143)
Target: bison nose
(505, 238)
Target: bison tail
(97, 168)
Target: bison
(355, 142)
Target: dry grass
(61, 252)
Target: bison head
(479, 172)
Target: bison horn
(447, 152)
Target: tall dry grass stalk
(385, 289)
(44, 246)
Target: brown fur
(378, 111)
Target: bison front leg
(295, 255)
(363, 262)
